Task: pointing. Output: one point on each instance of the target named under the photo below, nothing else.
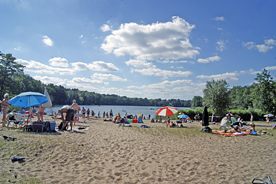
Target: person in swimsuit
(83, 112)
(111, 114)
(76, 109)
(68, 118)
(40, 113)
(5, 106)
(88, 112)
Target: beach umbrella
(205, 117)
(166, 111)
(183, 116)
(28, 99)
(269, 115)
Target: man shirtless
(5, 106)
(76, 109)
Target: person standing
(88, 112)
(83, 112)
(5, 106)
(40, 113)
(111, 114)
(76, 109)
(267, 119)
(251, 118)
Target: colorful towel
(228, 134)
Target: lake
(134, 110)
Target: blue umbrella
(183, 116)
(28, 99)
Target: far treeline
(218, 96)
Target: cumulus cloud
(108, 77)
(96, 66)
(87, 81)
(225, 76)
(209, 59)
(105, 28)
(37, 67)
(157, 41)
(250, 71)
(261, 47)
(270, 42)
(270, 68)
(17, 48)
(219, 18)
(47, 41)
(163, 73)
(139, 63)
(221, 45)
(58, 61)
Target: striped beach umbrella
(166, 111)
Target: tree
(217, 96)
(196, 102)
(265, 92)
(8, 70)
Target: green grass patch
(6, 177)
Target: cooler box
(134, 120)
(52, 126)
(38, 126)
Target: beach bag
(206, 130)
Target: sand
(106, 153)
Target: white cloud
(96, 66)
(108, 77)
(105, 28)
(221, 45)
(158, 41)
(17, 48)
(58, 61)
(219, 29)
(270, 68)
(163, 73)
(86, 81)
(81, 36)
(219, 18)
(37, 67)
(261, 47)
(207, 60)
(250, 71)
(139, 63)
(270, 42)
(47, 41)
(225, 76)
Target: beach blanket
(228, 134)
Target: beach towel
(229, 134)
(144, 126)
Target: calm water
(134, 110)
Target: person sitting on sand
(21, 111)
(159, 119)
(251, 128)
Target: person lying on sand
(232, 130)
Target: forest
(259, 95)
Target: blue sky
(153, 49)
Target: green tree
(8, 71)
(196, 102)
(265, 92)
(217, 96)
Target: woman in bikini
(83, 112)
(88, 112)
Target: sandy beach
(106, 153)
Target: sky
(164, 49)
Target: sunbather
(5, 106)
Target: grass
(6, 177)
